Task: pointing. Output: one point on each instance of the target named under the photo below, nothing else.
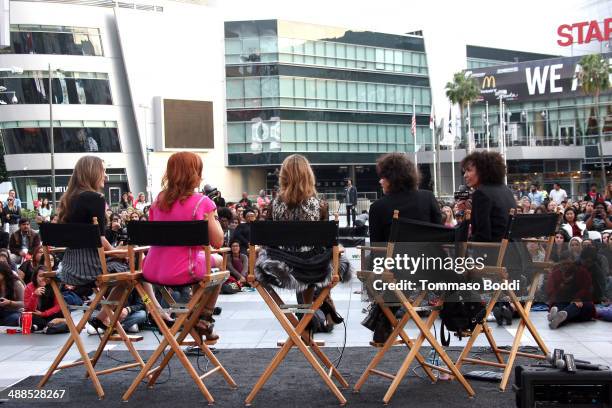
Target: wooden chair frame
(499, 271)
(187, 318)
(296, 329)
(412, 308)
(105, 282)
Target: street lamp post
(51, 141)
(145, 108)
(502, 131)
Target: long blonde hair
(86, 176)
(297, 181)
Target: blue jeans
(138, 317)
(9, 318)
(577, 314)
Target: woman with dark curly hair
(492, 199)
(399, 179)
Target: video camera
(463, 193)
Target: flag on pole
(449, 136)
(413, 128)
(432, 118)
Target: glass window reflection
(66, 140)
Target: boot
(205, 329)
(329, 309)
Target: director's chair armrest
(214, 278)
(116, 252)
(222, 250)
(544, 265)
(138, 249)
(538, 240)
(472, 244)
(54, 250)
(371, 248)
(50, 275)
(119, 277)
(489, 271)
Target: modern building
(552, 128)
(340, 97)
(91, 107)
(114, 94)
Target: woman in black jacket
(399, 180)
(492, 199)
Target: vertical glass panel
(332, 94)
(351, 95)
(341, 55)
(311, 92)
(389, 59)
(321, 93)
(379, 58)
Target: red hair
(183, 175)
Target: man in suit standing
(350, 201)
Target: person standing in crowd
(80, 204)
(242, 231)
(598, 220)
(557, 194)
(262, 200)
(244, 201)
(12, 214)
(225, 216)
(179, 201)
(593, 195)
(350, 201)
(491, 200)
(608, 194)
(141, 202)
(45, 210)
(11, 296)
(23, 241)
(125, 202)
(13, 195)
(536, 197)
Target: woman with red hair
(179, 201)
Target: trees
(463, 90)
(594, 78)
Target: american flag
(413, 123)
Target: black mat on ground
(294, 384)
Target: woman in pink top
(178, 201)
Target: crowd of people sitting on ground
(578, 288)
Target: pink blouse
(170, 265)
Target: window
(65, 43)
(66, 140)
(66, 90)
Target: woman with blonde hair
(297, 201)
(80, 203)
(179, 201)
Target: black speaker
(542, 386)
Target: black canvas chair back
(407, 230)
(168, 233)
(74, 236)
(294, 233)
(531, 226)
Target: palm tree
(463, 90)
(594, 77)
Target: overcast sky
(528, 25)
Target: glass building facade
(338, 96)
(558, 120)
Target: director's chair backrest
(294, 233)
(522, 226)
(71, 236)
(168, 233)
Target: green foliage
(594, 75)
(462, 90)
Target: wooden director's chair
(296, 234)
(57, 238)
(522, 228)
(419, 236)
(141, 235)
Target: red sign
(584, 32)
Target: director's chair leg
(295, 338)
(74, 334)
(313, 345)
(488, 332)
(185, 326)
(477, 330)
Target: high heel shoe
(329, 309)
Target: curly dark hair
(489, 166)
(401, 172)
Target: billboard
(531, 80)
